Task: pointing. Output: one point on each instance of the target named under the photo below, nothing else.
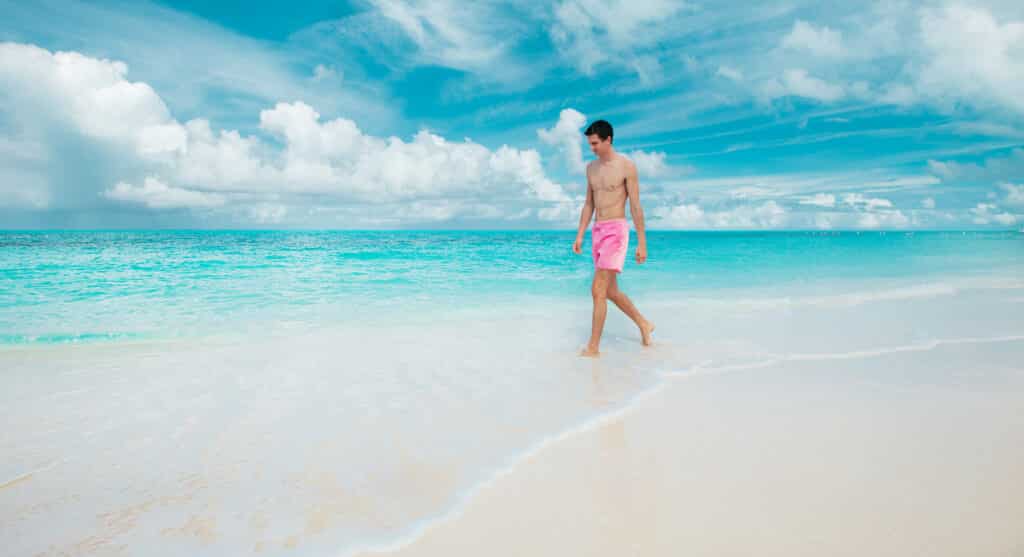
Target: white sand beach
(917, 452)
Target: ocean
(328, 392)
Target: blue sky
(444, 114)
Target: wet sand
(911, 452)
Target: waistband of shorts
(610, 221)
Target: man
(611, 179)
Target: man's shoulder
(626, 164)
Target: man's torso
(608, 182)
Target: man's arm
(637, 212)
(585, 216)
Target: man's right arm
(585, 216)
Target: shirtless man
(611, 179)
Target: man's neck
(608, 157)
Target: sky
(469, 115)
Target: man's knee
(602, 285)
(613, 292)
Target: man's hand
(577, 246)
(641, 254)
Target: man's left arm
(633, 190)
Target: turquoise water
(83, 286)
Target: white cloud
(799, 83)
(949, 55)
(821, 41)
(653, 165)
(730, 73)
(92, 94)
(987, 213)
(329, 157)
(972, 57)
(157, 195)
(1006, 219)
(1014, 193)
(567, 136)
(819, 199)
(465, 36)
(928, 203)
(224, 161)
(337, 157)
(859, 201)
(1000, 167)
(192, 61)
(767, 215)
(593, 32)
(879, 219)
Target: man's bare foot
(645, 333)
(589, 352)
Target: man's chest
(607, 180)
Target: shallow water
(72, 286)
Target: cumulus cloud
(928, 203)
(157, 195)
(879, 219)
(191, 165)
(798, 82)
(336, 157)
(1014, 193)
(652, 164)
(972, 57)
(92, 94)
(566, 136)
(767, 215)
(986, 213)
(820, 41)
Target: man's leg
(623, 302)
(599, 290)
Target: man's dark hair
(601, 129)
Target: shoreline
(484, 506)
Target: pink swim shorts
(610, 238)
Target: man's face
(597, 146)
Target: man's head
(600, 136)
